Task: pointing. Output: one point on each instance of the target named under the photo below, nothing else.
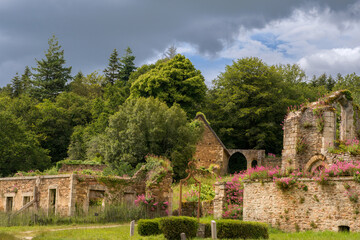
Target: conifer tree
(16, 86)
(112, 72)
(51, 75)
(26, 80)
(128, 65)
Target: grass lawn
(122, 232)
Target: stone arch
(316, 162)
(237, 163)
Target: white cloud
(332, 61)
(320, 41)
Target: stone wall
(319, 208)
(271, 162)
(18, 188)
(210, 150)
(72, 193)
(69, 168)
(315, 125)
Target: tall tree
(128, 66)
(51, 75)
(17, 87)
(170, 53)
(112, 72)
(173, 81)
(19, 148)
(26, 79)
(248, 105)
(146, 126)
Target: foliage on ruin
(157, 169)
(350, 146)
(301, 145)
(320, 122)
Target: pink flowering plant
(150, 203)
(285, 183)
(234, 198)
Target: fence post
(213, 230)
(182, 236)
(132, 228)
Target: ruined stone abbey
(311, 136)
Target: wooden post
(213, 230)
(132, 228)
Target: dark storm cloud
(89, 30)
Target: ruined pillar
(219, 200)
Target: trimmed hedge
(147, 227)
(172, 227)
(207, 224)
(239, 229)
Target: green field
(122, 232)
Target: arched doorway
(254, 164)
(237, 163)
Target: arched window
(254, 163)
(237, 163)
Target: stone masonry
(67, 193)
(320, 208)
(210, 151)
(314, 127)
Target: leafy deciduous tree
(174, 81)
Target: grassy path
(38, 230)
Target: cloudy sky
(321, 36)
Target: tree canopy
(147, 126)
(172, 81)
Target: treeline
(125, 113)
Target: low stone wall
(271, 162)
(69, 168)
(319, 208)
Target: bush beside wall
(243, 230)
(172, 227)
(147, 227)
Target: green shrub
(147, 227)
(243, 230)
(172, 227)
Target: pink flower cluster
(234, 198)
(294, 108)
(285, 183)
(150, 203)
(192, 196)
(342, 168)
(354, 141)
(271, 155)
